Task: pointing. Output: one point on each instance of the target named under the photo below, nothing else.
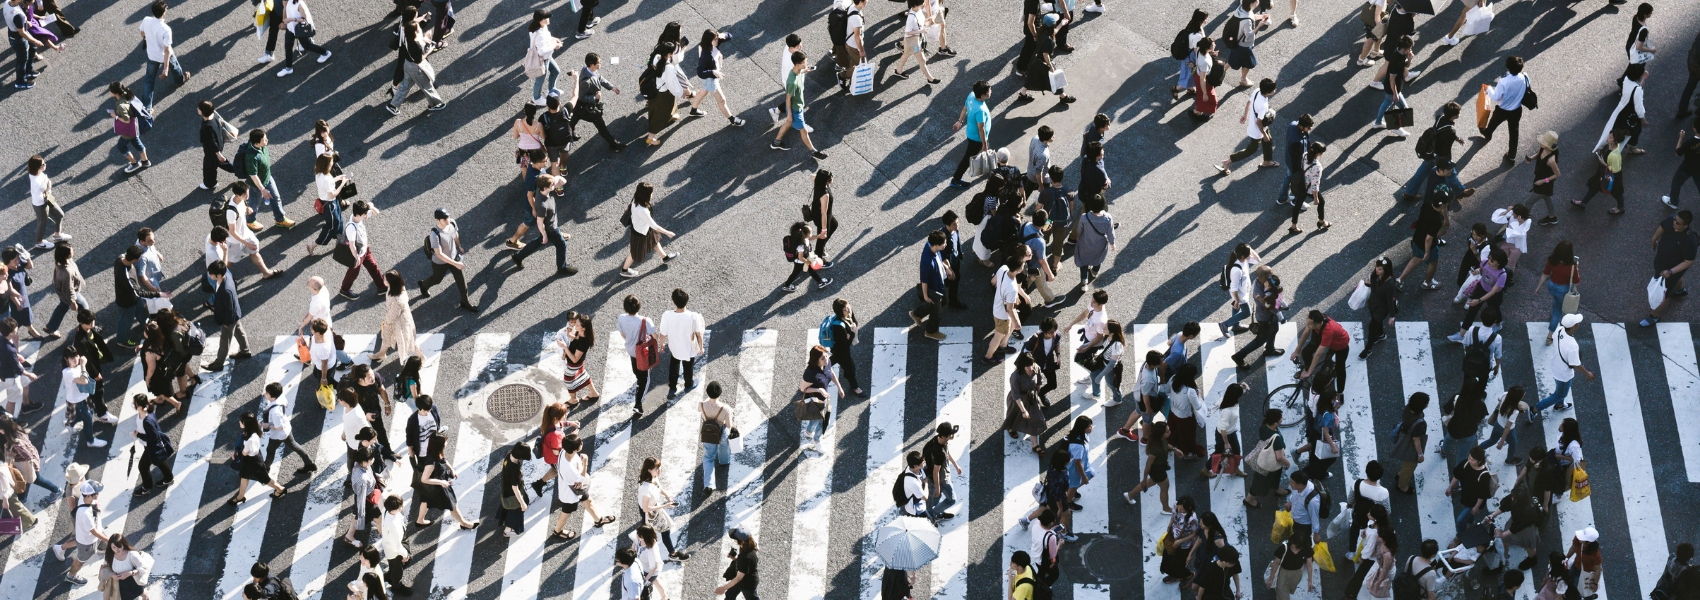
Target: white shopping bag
(1059, 80)
(931, 34)
(576, 5)
(983, 163)
(1359, 297)
(862, 79)
(778, 117)
(1477, 20)
(1655, 292)
(1463, 290)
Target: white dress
(398, 330)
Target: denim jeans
(1285, 192)
(546, 81)
(77, 301)
(1100, 374)
(1238, 315)
(275, 203)
(1457, 450)
(1464, 516)
(947, 497)
(24, 55)
(1184, 79)
(1386, 103)
(1561, 389)
(812, 430)
(139, 314)
(1414, 186)
(86, 416)
(152, 78)
(1557, 291)
(1492, 438)
(714, 454)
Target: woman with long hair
(670, 85)
(128, 567)
(1504, 420)
(529, 131)
(1313, 189)
(416, 71)
(1383, 304)
(656, 506)
(1185, 531)
(819, 214)
(298, 26)
(397, 328)
(708, 69)
(817, 392)
(1226, 458)
(646, 234)
(329, 187)
(23, 456)
(1557, 276)
(1324, 438)
(802, 256)
(540, 57)
(1265, 484)
(160, 364)
(1207, 73)
(1115, 345)
(1157, 450)
(554, 428)
(743, 581)
(251, 460)
(580, 337)
(1187, 39)
(1185, 403)
(1023, 416)
(436, 484)
(844, 331)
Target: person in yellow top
(1022, 580)
(1610, 179)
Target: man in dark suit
(215, 135)
(1046, 349)
(227, 312)
(157, 449)
(952, 258)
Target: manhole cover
(514, 403)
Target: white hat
(1570, 320)
(1588, 534)
(90, 488)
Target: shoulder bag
(1262, 458)
(1573, 298)
(648, 351)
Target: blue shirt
(978, 115)
(1035, 240)
(932, 274)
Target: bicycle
(1296, 399)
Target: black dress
(434, 496)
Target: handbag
(1400, 117)
(10, 523)
(1059, 80)
(1477, 20)
(1573, 299)
(349, 190)
(1262, 458)
(305, 30)
(647, 352)
(1359, 297)
(1323, 558)
(1484, 106)
(1091, 358)
(808, 408)
(862, 79)
(1530, 100)
(303, 352)
(1163, 544)
(343, 254)
(734, 440)
(1580, 488)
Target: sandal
(472, 525)
(565, 535)
(236, 501)
(278, 494)
(604, 521)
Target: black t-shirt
(546, 212)
(1674, 246)
(512, 478)
(580, 346)
(1292, 560)
(1467, 414)
(1396, 65)
(1429, 222)
(1472, 483)
(1445, 136)
(934, 455)
(894, 585)
(1524, 516)
(1689, 148)
(746, 564)
(369, 400)
(1029, 7)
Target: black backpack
(1406, 585)
(1039, 592)
(195, 340)
(219, 212)
(557, 128)
(838, 23)
(430, 250)
(899, 497)
(1179, 49)
(1324, 507)
(646, 81)
(976, 211)
(1478, 357)
(1426, 141)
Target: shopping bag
(982, 163)
(1484, 107)
(1059, 80)
(862, 79)
(1359, 297)
(1477, 20)
(303, 352)
(735, 441)
(1400, 117)
(1464, 289)
(931, 34)
(1655, 292)
(1323, 558)
(576, 5)
(1163, 544)
(326, 396)
(1283, 526)
(1580, 489)
(1339, 524)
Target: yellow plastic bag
(1323, 558)
(1283, 526)
(1163, 544)
(260, 13)
(1579, 487)
(327, 396)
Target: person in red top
(1324, 339)
(555, 428)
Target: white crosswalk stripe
(760, 395)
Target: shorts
(797, 121)
(1002, 326)
(1673, 286)
(11, 388)
(1417, 253)
(127, 144)
(522, 156)
(1242, 57)
(1158, 475)
(711, 84)
(85, 553)
(560, 506)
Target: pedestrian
(681, 331)
(1382, 304)
(1185, 403)
(1674, 245)
(1629, 113)
(529, 133)
(299, 26)
(1080, 470)
(21, 454)
(129, 293)
(1510, 409)
(1257, 118)
(1688, 147)
(1410, 441)
(669, 84)
(1095, 239)
(573, 489)
(1546, 172)
(581, 336)
(1508, 95)
(645, 233)
(68, 286)
(539, 63)
(329, 202)
(1241, 36)
(716, 433)
(15, 370)
(447, 258)
(1560, 272)
(397, 328)
(1609, 174)
(47, 210)
(126, 125)
(1298, 143)
(1181, 50)
(1376, 544)
(1264, 484)
(1514, 233)
(515, 501)
(1046, 350)
(587, 105)
(1006, 315)
(436, 489)
(157, 448)
(818, 390)
(838, 334)
(916, 28)
(587, 19)
(1294, 559)
(635, 328)
(1488, 290)
(1207, 73)
(166, 358)
(362, 483)
(392, 549)
(1312, 190)
(656, 508)
(1157, 450)
(275, 414)
(975, 124)
(412, 51)
(227, 312)
(229, 245)
(25, 42)
(554, 428)
(12, 498)
(708, 69)
(1374, 18)
(819, 214)
(1436, 153)
(87, 532)
(1024, 415)
(215, 134)
(549, 230)
(254, 164)
(935, 268)
(800, 253)
(1585, 556)
(1638, 46)
(1267, 314)
(794, 106)
(1470, 485)
(1398, 73)
(743, 569)
(1323, 432)
(161, 53)
(75, 386)
(376, 402)
(360, 247)
(1425, 243)
(845, 24)
(250, 463)
(1366, 495)
(126, 568)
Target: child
(124, 124)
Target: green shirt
(794, 88)
(259, 163)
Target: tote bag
(1573, 298)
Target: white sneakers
(1094, 9)
(109, 419)
(97, 443)
(264, 58)
(285, 72)
(1668, 203)
(324, 57)
(1449, 41)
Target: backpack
(1478, 358)
(646, 81)
(1227, 275)
(195, 340)
(899, 497)
(976, 211)
(1231, 32)
(838, 23)
(825, 335)
(1179, 49)
(429, 249)
(789, 248)
(219, 212)
(240, 161)
(1039, 593)
(557, 128)
(1406, 585)
(1324, 507)
(1426, 142)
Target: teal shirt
(978, 115)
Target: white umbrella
(907, 543)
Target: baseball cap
(1570, 320)
(948, 429)
(90, 488)
(440, 214)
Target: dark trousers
(1321, 209)
(307, 45)
(210, 166)
(586, 14)
(25, 54)
(1050, 380)
(969, 149)
(1029, 46)
(442, 20)
(371, 265)
(1685, 103)
(1678, 178)
(393, 577)
(1374, 329)
(145, 467)
(1511, 118)
(273, 21)
(797, 271)
(1251, 147)
(1263, 334)
(1616, 189)
(437, 274)
(291, 445)
(952, 283)
(846, 367)
(593, 115)
(642, 382)
(555, 240)
(929, 313)
(673, 366)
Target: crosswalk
(819, 509)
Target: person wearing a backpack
(837, 332)
(1434, 147)
(1509, 95)
(1257, 117)
(274, 421)
(1564, 364)
(1410, 441)
(909, 492)
(557, 131)
(227, 312)
(1473, 487)
(804, 262)
(1181, 50)
(1023, 583)
(447, 258)
(844, 25)
(238, 241)
(1681, 562)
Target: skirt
(661, 111)
(435, 496)
(576, 376)
(254, 469)
(643, 244)
(1242, 57)
(1203, 97)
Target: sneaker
(44, 245)
(823, 283)
(1378, 85)
(628, 273)
(264, 58)
(594, 21)
(132, 167)
(1668, 203)
(147, 163)
(1023, 522)
(1096, 9)
(697, 112)
(1648, 322)
(1400, 133)
(75, 580)
(348, 295)
(1378, 124)
(1128, 434)
(436, 107)
(777, 145)
(109, 419)
(391, 107)
(1549, 221)
(1431, 285)
(97, 443)
(669, 256)
(1413, 73)
(937, 336)
(1055, 302)
(819, 155)
(788, 288)
(736, 122)
(958, 183)
(203, 186)
(324, 57)
(58, 552)
(23, 85)
(285, 72)
(1449, 41)
(284, 224)
(1129, 499)
(585, 35)
(1456, 338)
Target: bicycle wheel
(1291, 399)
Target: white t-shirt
(1239, 281)
(1573, 450)
(1228, 421)
(85, 523)
(319, 307)
(1097, 324)
(253, 445)
(323, 353)
(570, 471)
(1566, 354)
(157, 36)
(326, 186)
(1006, 294)
(277, 419)
(1036, 541)
(543, 43)
(355, 233)
(678, 327)
(642, 222)
(39, 186)
(68, 384)
(631, 583)
(784, 65)
(850, 26)
(1373, 493)
(353, 420)
(1258, 107)
(293, 10)
(648, 490)
(1184, 403)
(136, 561)
(1113, 351)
